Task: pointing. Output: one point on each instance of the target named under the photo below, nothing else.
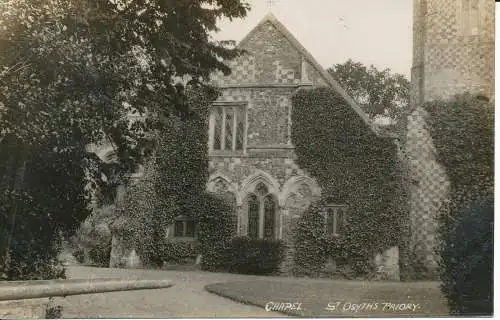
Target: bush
(467, 259)
(53, 311)
(79, 255)
(100, 255)
(33, 243)
(255, 256)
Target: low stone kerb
(17, 290)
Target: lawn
(338, 298)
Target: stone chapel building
(251, 155)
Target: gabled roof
(309, 58)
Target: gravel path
(187, 298)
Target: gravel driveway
(187, 298)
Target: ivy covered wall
(354, 167)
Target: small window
(179, 228)
(189, 228)
(335, 219)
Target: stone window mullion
(211, 131)
(223, 134)
(245, 129)
(335, 216)
(235, 128)
(261, 217)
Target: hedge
(255, 256)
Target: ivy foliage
(215, 232)
(310, 242)
(174, 184)
(353, 166)
(462, 131)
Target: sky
(377, 32)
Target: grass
(343, 296)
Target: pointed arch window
(261, 213)
(253, 217)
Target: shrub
(100, 254)
(254, 256)
(467, 259)
(79, 255)
(53, 311)
(34, 245)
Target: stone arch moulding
(294, 183)
(231, 186)
(249, 184)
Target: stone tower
(453, 53)
(453, 48)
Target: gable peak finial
(270, 4)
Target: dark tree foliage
(71, 74)
(378, 91)
(36, 242)
(462, 131)
(467, 259)
(353, 166)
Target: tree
(379, 92)
(72, 73)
